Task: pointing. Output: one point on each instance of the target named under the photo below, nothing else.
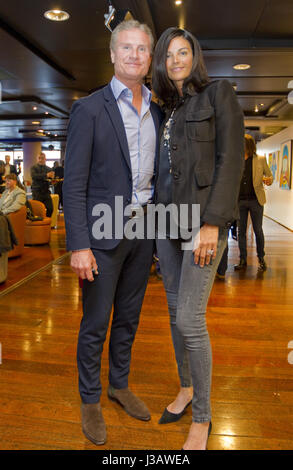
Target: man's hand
(50, 174)
(205, 245)
(84, 264)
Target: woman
(201, 161)
(251, 201)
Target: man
(111, 146)
(251, 200)
(40, 184)
(9, 168)
(13, 197)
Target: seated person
(13, 197)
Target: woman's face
(179, 61)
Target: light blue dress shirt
(141, 137)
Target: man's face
(132, 56)
(7, 159)
(41, 159)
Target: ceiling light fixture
(178, 2)
(35, 108)
(241, 66)
(113, 17)
(56, 15)
(36, 122)
(256, 109)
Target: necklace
(167, 137)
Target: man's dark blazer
(97, 166)
(13, 170)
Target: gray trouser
(188, 287)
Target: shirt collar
(118, 88)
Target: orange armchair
(38, 232)
(17, 220)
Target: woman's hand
(205, 244)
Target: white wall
(279, 205)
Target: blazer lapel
(157, 124)
(115, 116)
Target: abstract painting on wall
(286, 164)
(273, 164)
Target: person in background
(40, 174)
(13, 197)
(200, 162)
(9, 168)
(59, 175)
(2, 179)
(223, 265)
(251, 201)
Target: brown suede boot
(131, 404)
(93, 424)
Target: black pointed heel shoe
(168, 417)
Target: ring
(210, 252)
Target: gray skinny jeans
(188, 287)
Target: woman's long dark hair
(161, 84)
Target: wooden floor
(250, 321)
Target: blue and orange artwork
(273, 164)
(285, 174)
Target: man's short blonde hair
(127, 26)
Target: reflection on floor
(35, 257)
(250, 323)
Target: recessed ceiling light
(56, 15)
(46, 112)
(256, 109)
(241, 66)
(178, 2)
(35, 108)
(36, 122)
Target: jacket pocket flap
(200, 114)
(203, 178)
